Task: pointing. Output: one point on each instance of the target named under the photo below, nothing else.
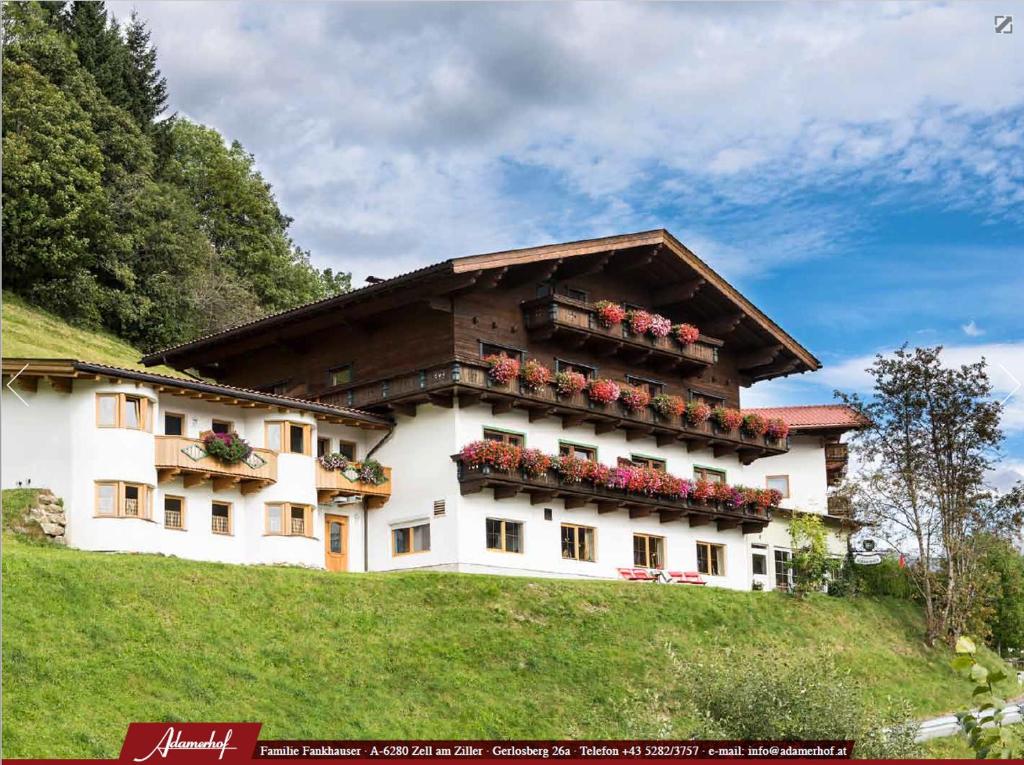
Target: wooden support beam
(61, 384)
(27, 383)
(639, 512)
(585, 265)
(409, 410)
(749, 454)
(471, 487)
(225, 482)
(441, 399)
(606, 426)
(540, 413)
(468, 398)
(541, 497)
(571, 503)
(163, 475)
(699, 519)
(505, 492)
(195, 479)
(251, 487)
(758, 358)
(572, 420)
(608, 506)
(724, 326)
(492, 279)
(375, 502)
(721, 450)
(323, 496)
(667, 516)
(752, 527)
(664, 439)
(697, 444)
(633, 434)
(724, 524)
(677, 293)
(503, 405)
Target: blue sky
(855, 169)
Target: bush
(769, 697)
(885, 579)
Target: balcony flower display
(686, 334)
(635, 399)
(535, 375)
(668, 406)
(639, 321)
(570, 383)
(335, 461)
(603, 391)
(760, 500)
(226, 447)
(754, 425)
(726, 418)
(493, 453)
(722, 492)
(703, 491)
(503, 369)
(609, 314)
(777, 429)
(636, 480)
(571, 469)
(372, 472)
(368, 471)
(535, 463)
(697, 413)
(660, 326)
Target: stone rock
(51, 529)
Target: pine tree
(148, 88)
(96, 39)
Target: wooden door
(336, 542)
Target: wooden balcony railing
(470, 383)
(179, 456)
(546, 488)
(557, 316)
(334, 483)
(837, 453)
(840, 506)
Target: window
(323, 447)
(783, 569)
(707, 398)
(118, 410)
(648, 551)
(650, 462)
(490, 349)
(220, 518)
(348, 448)
(291, 437)
(570, 366)
(410, 539)
(709, 474)
(505, 536)
(340, 375)
(502, 436)
(759, 561)
(577, 542)
(653, 387)
(174, 424)
(174, 512)
(118, 499)
(778, 482)
(711, 559)
(567, 449)
(222, 426)
(288, 519)
(549, 514)
(573, 293)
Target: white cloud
(419, 131)
(971, 329)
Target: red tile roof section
(815, 416)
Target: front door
(336, 542)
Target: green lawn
(93, 641)
(33, 333)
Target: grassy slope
(30, 332)
(105, 639)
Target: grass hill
(33, 333)
(92, 641)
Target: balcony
(185, 457)
(469, 383)
(837, 456)
(335, 483)
(544, 489)
(563, 319)
(840, 506)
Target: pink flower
(668, 406)
(697, 413)
(609, 314)
(493, 453)
(777, 429)
(570, 383)
(635, 399)
(686, 333)
(639, 321)
(660, 326)
(503, 369)
(754, 424)
(535, 375)
(727, 419)
(535, 463)
(603, 391)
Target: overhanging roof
(816, 416)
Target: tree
(810, 553)
(934, 433)
(96, 39)
(147, 87)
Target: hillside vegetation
(34, 333)
(107, 639)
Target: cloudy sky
(855, 169)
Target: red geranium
(726, 418)
(609, 314)
(570, 383)
(603, 391)
(697, 413)
(703, 491)
(503, 369)
(635, 399)
(754, 424)
(668, 406)
(686, 333)
(777, 429)
(639, 321)
(535, 463)
(496, 454)
(535, 375)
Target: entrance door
(336, 542)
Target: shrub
(570, 383)
(535, 375)
(635, 399)
(503, 369)
(226, 447)
(668, 406)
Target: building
(466, 351)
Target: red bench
(686, 577)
